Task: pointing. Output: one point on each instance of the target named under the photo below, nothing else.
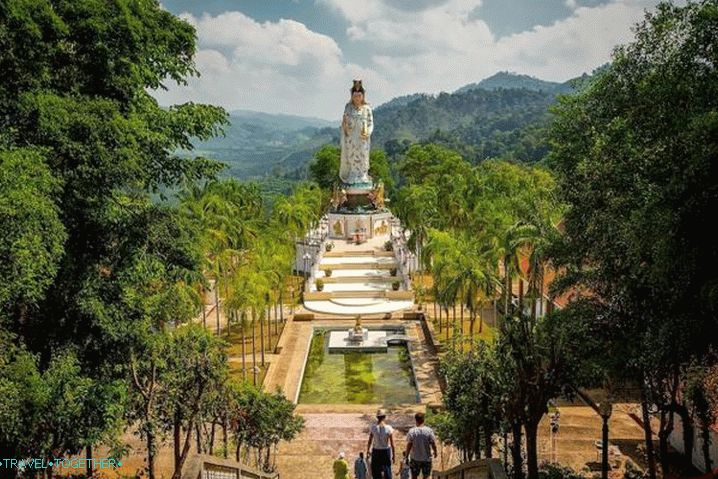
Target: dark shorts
(423, 467)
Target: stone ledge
(303, 317)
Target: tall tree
(634, 154)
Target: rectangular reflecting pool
(357, 377)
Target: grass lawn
(234, 338)
(235, 371)
(487, 333)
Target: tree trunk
(440, 308)
(277, 304)
(176, 439)
(261, 333)
(216, 303)
(447, 323)
(507, 287)
(648, 435)
(531, 450)
(225, 442)
(664, 431)
(211, 437)
(198, 433)
(281, 304)
(150, 454)
(188, 435)
(254, 344)
(244, 338)
(516, 459)
(688, 434)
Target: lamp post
(605, 409)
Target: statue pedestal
(369, 224)
(355, 336)
(358, 198)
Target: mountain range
(501, 115)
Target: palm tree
(462, 269)
(227, 213)
(416, 208)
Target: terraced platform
(359, 281)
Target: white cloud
(280, 67)
(285, 67)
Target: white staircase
(358, 282)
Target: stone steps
(335, 266)
(329, 295)
(345, 254)
(379, 278)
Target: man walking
(420, 446)
(382, 452)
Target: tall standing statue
(355, 134)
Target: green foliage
(470, 400)
(262, 420)
(324, 169)
(93, 267)
(550, 470)
(78, 409)
(379, 169)
(33, 236)
(481, 124)
(635, 159)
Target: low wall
(204, 466)
(480, 469)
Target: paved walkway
(326, 434)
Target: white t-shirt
(381, 435)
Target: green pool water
(357, 378)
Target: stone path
(326, 434)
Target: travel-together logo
(39, 464)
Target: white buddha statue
(355, 135)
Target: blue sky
(299, 56)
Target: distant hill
(515, 81)
(256, 144)
(280, 120)
(504, 115)
(401, 100)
